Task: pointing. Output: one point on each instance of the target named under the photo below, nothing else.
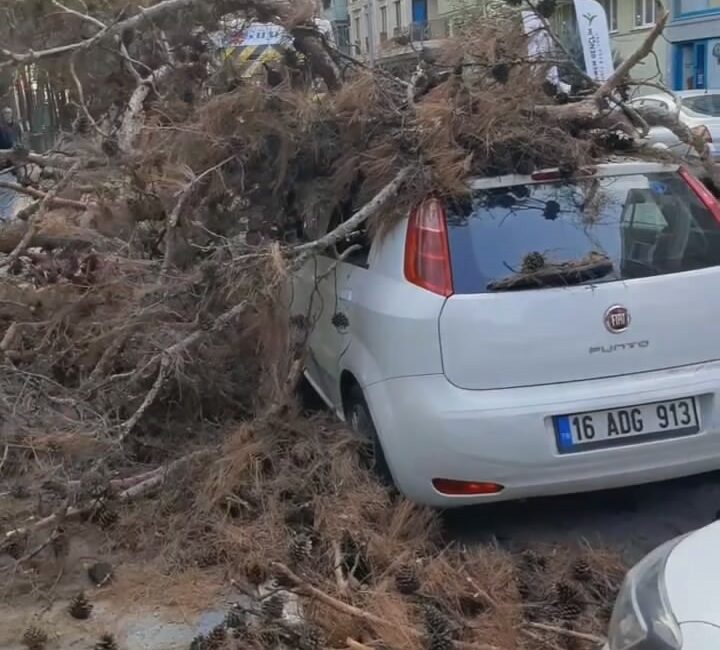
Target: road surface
(632, 520)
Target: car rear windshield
(703, 105)
(597, 229)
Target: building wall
(694, 34)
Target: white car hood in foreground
(692, 577)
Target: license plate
(633, 424)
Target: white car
(542, 336)
(697, 109)
(669, 600)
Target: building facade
(386, 29)
(336, 11)
(381, 30)
(694, 35)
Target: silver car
(543, 335)
(667, 600)
(697, 109)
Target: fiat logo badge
(617, 319)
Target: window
(398, 16)
(708, 105)
(356, 29)
(643, 224)
(383, 20)
(611, 10)
(644, 13)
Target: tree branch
(54, 201)
(362, 215)
(623, 70)
(35, 218)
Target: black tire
(360, 421)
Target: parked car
(667, 601)
(544, 336)
(697, 109)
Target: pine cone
(80, 607)
(235, 618)
(34, 638)
(94, 485)
(437, 628)
(300, 548)
(567, 593)
(198, 643)
(569, 611)
(582, 572)
(273, 606)
(105, 516)
(256, 574)
(533, 262)
(406, 580)
(311, 638)
(569, 601)
(106, 642)
(216, 638)
(82, 124)
(531, 560)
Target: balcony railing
(430, 30)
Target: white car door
(316, 298)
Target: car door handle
(345, 295)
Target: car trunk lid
(559, 280)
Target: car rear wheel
(360, 421)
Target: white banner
(595, 37)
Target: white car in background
(669, 601)
(482, 373)
(697, 109)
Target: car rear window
(703, 105)
(585, 231)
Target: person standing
(10, 131)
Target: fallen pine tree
(149, 356)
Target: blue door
(419, 11)
(700, 59)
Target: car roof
(609, 168)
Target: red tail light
(702, 192)
(465, 488)
(427, 253)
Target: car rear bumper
(432, 429)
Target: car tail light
(703, 133)
(427, 253)
(703, 193)
(451, 487)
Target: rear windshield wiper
(592, 267)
